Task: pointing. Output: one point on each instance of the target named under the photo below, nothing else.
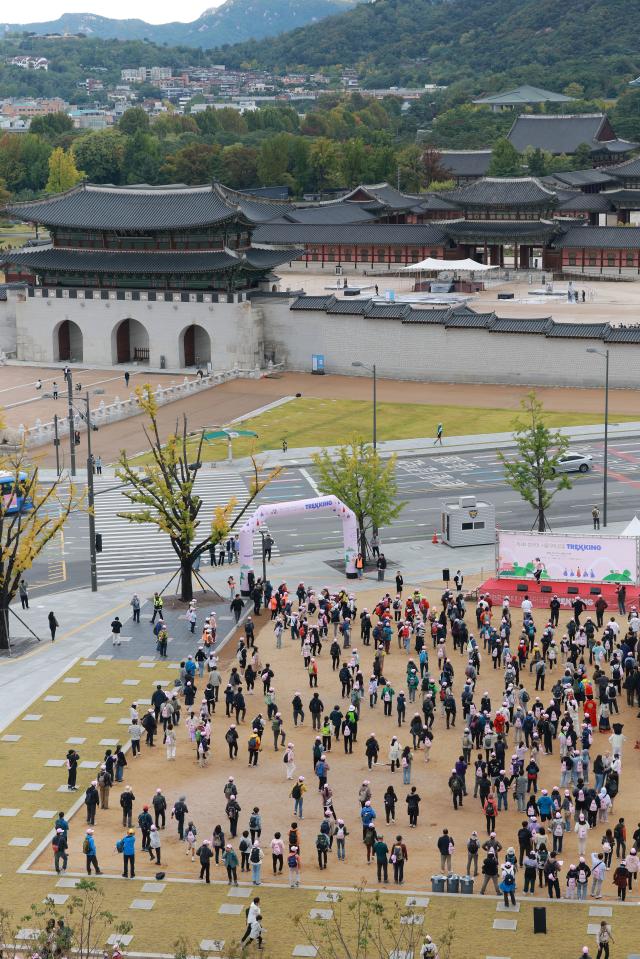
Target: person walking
(154, 844)
(381, 852)
(439, 435)
(603, 937)
(23, 589)
(98, 465)
(116, 629)
(205, 855)
(89, 849)
(595, 516)
(53, 625)
(59, 845)
(158, 603)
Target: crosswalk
(141, 549)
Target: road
(423, 483)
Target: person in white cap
(289, 760)
(429, 949)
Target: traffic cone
(435, 540)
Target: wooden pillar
(515, 256)
(619, 262)
(583, 259)
(601, 261)
(484, 255)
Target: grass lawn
(322, 422)
(16, 235)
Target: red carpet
(499, 588)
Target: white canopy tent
(633, 529)
(458, 266)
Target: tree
(364, 483)
(533, 473)
(134, 120)
(581, 159)
(353, 162)
(575, 90)
(323, 163)
(537, 161)
(51, 125)
(100, 154)
(167, 492)
(24, 535)
(141, 160)
(505, 159)
(63, 173)
(625, 116)
(370, 924)
(411, 167)
(195, 163)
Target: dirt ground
(238, 397)
(267, 787)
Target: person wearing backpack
(293, 862)
(255, 858)
(126, 802)
(59, 845)
(145, 822)
(89, 849)
(341, 834)
(254, 747)
(322, 847)
(582, 878)
(491, 811)
(398, 858)
(297, 794)
(473, 848)
(255, 824)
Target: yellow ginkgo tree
(24, 533)
(166, 492)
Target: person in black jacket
(159, 804)
(390, 799)
(490, 873)
(205, 854)
(178, 813)
(91, 800)
(148, 722)
(127, 800)
(72, 769)
(145, 822)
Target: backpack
(254, 822)
(85, 847)
(473, 846)
(255, 856)
(253, 742)
(322, 842)
(398, 853)
(293, 839)
(296, 792)
(582, 875)
(120, 845)
(292, 861)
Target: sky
(37, 11)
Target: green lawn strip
(325, 422)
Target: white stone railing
(40, 434)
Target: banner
(567, 556)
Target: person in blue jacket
(545, 806)
(89, 849)
(367, 815)
(127, 846)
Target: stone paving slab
(593, 928)
(113, 701)
(52, 699)
(500, 907)
(67, 882)
(239, 892)
(119, 939)
(328, 897)
(32, 717)
(211, 945)
(600, 911)
(95, 720)
(145, 904)
(20, 841)
(413, 920)
(76, 740)
(109, 742)
(54, 762)
(44, 814)
(153, 886)
(420, 902)
(309, 951)
(8, 811)
(27, 934)
(401, 954)
(11, 738)
(33, 787)
(230, 909)
(508, 925)
(320, 913)
(56, 897)
(71, 679)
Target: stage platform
(541, 595)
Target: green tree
(51, 125)
(505, 159)
(323, 163)
(575, 90)
(353, 162)
(240, 165)
(195, 163)
(273, 161)
(100, 154)
(625, 116)
(581, 159)
(133, 120)
(364, 482)
(63, 173)
(141, 160)
(35, 153)
(537, 161)
(167, 492)
(412, 173)
(533, 471)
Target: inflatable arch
(302, 507)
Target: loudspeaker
(539, 919)
(573, 590)
(595, 591)
(98, 542)
(546, 589)
(446, 575)
(522, 588)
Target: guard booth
(466, 521)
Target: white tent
(633, 529)
(459, 266)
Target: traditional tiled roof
(564, 134)
(433, 201)
(319, 303)
(384, 195)
(580, 178)
(630, 168)
(628, 199)
(290, 234)
(524, 191)
(524, 94)
(599, 237)
(588, 331)
(336, 213)
(506, 324)
(466, 163)
(430, 316)
(501, 230)
(153, 261)
(622, 334)
(589, 202)
(130, 208)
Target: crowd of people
(555, 753)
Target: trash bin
(437, 883)
(453, 883)
(466, 885)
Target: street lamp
(264, 555)
(606, 426)
(90, 493)
(371, 369)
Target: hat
(158, 791)
(153, 828)
(293, 848)
(59, 830)
(89, 832)
(131, 832)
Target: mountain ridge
(234, 21)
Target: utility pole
(90, 503)
(72, 439)
(606, 436)
(56, 442)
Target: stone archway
(130, 342)
(68, 342)
(195, 346)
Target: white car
(573, 463)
